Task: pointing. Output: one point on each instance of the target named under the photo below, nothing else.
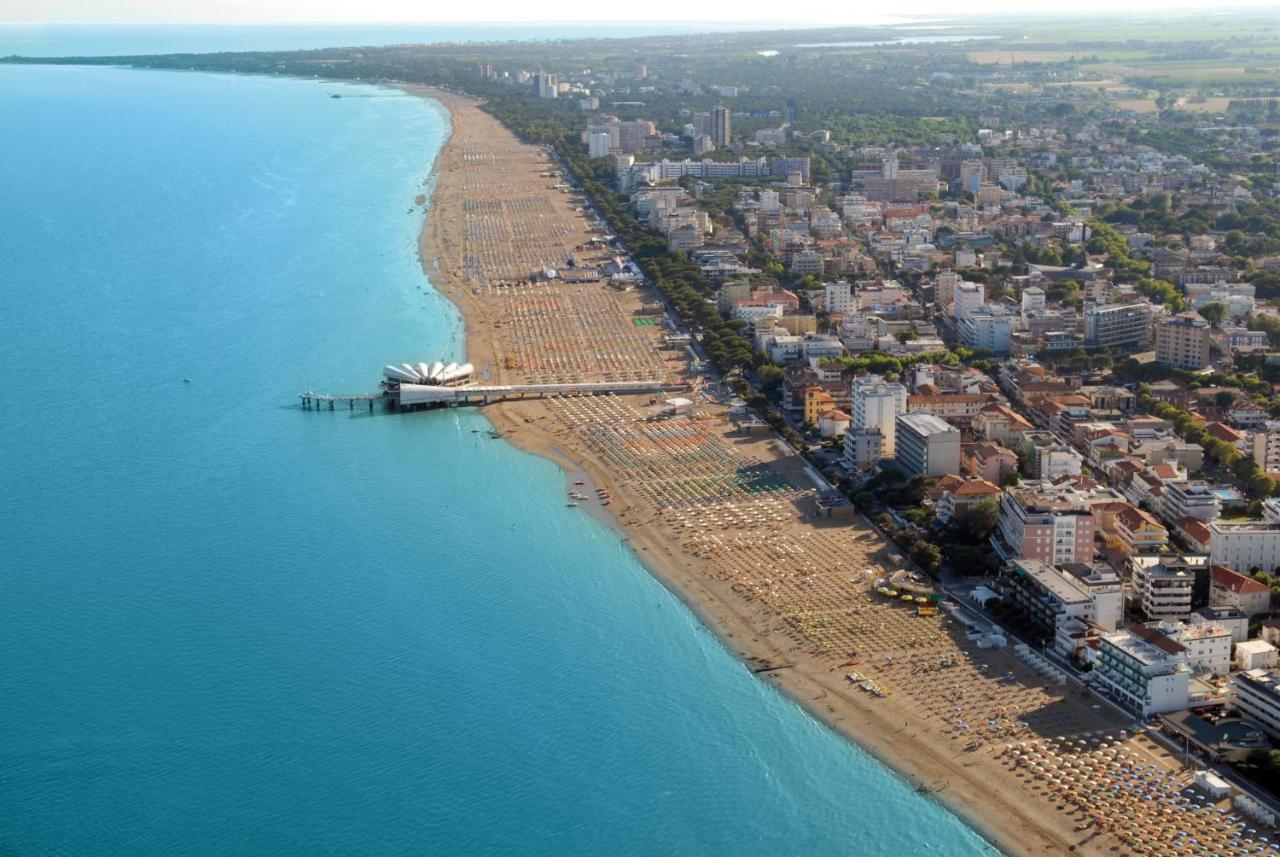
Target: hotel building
(1144, 671)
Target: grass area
(1137, 105)
(1187, 71)
(1208, 104)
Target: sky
(811, 12)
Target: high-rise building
(1122, 326)
(946, 288)
(599, 144)
(1183, 341)
(1045, 522)
(968, 297)
(626, 137)
(876, 405)
(546, 85)
(927, 445)
(839, 298)
(633, 135)
(720, 126)
(1033, 301)
(988, 328)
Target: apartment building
(1124, 327)
(1245, 545)
(1051, 595)
(1231, 589)
(1143, 671)
(1189, 500)
(876, 405)
(1169, 585)
(927, 445)
(1266, 446)
(1045, 522)
(1257, 697)
(1183, 341)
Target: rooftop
(1063, 587)
(1145, 651)
(927, 424)
(1235, 581)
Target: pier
(317, 401)
(414, 396)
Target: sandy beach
(725, 518)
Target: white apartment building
(1245, 545)
(839, 298)
(987, 329)
(967, 298)
(927, 445)
(1144, 671)
(876, 405)
(1208, 646)
(863, 447)
(1190, 500)
(1164, 585)
(858, 332)
(1266, 446)
(1257, 697)
(1033, 302)
(1120, 326)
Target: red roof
(977, 488)
(1155, 638)
(1223, 432)
(1196, 529)
(1235, 581)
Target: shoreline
(997, 806)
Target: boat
(579, 482)
(572, 505)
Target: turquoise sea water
(232, 627)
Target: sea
(231, 626)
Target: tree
(980, 521)
(927, 555)
(1213, 313)
(770, 378)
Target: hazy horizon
(748, 13)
